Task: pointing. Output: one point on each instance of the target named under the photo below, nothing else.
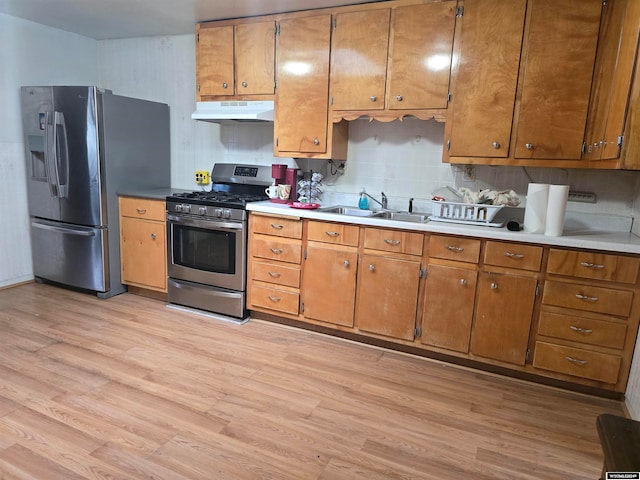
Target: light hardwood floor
(126, 388)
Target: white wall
(30, 54)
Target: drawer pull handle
(333, 234)
(494, 286)
(274, 274)
(453, 248)
(595, 266)
(153, 236)
(274, 299)
(463, 282)
(517, 256)
(372, 267)
(277, 226)
(586, 298)
(141, 211)
(392, 242)
(277, 251)
(576, 360)
(346, 263)
(580, 329)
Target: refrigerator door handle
(49, 153)
(69, 231)
(60, 149)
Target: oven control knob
(186, 208)
(226, 213)
(178, 208)
(218, 212)
(202, 210)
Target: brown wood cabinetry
(388, 281)
(535, 114)
(330, 266)
(589, 311)
(396, 59)
(143, 248)
(302, 127)
(235, 60)
(275, 254)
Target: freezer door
(61, 135)
(70, 254)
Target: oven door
(209, 252)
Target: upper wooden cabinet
(392, 59)
(302, 127)
(235, 60)
(522, 83)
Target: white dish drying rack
(467, 213)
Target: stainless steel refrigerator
(83, 146)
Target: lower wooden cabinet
(504, 312)
(143, 248)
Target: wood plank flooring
(126, 388)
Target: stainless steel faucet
(384, 203)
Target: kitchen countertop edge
(611, 241)
(152, 193)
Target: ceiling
(109, 19)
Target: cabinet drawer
(614, 268)
(578, 362)
(397, 241)
(274, 299)
(280, 227)
(587, 297)
(333, 233)
(274, 248)
(512, 255)
(143, 208)
(454, 248)
(583, 330)
(276, 273)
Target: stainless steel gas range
(207, 240)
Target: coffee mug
(271, 191)
(284, 191)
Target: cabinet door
(329, 284)
(504, 309)
(359, 60)
(302, 101)
(420, 55)
(559, 63)
(143, 255)
(485, 76)
(448, 308)
(387, 296)
(215, 61)
(255, 58)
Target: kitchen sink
(403, 216)
(388, 215)
(351, 211)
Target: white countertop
(592, 239)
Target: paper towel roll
(535, 211)
(556, 209)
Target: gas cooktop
(219, 199)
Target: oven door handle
(208, 224)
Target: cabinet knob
(372, 267)
(494, 286)
(225, 85)
(346, 263)
(496, 145)
(153, 236)
(316, 141)
(373, 98)
(463, 282)
(244, 84)
(399, 98)
(528, 146)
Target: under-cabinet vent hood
(234, 111)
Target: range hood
(234, 112)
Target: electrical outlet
(202, 177)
